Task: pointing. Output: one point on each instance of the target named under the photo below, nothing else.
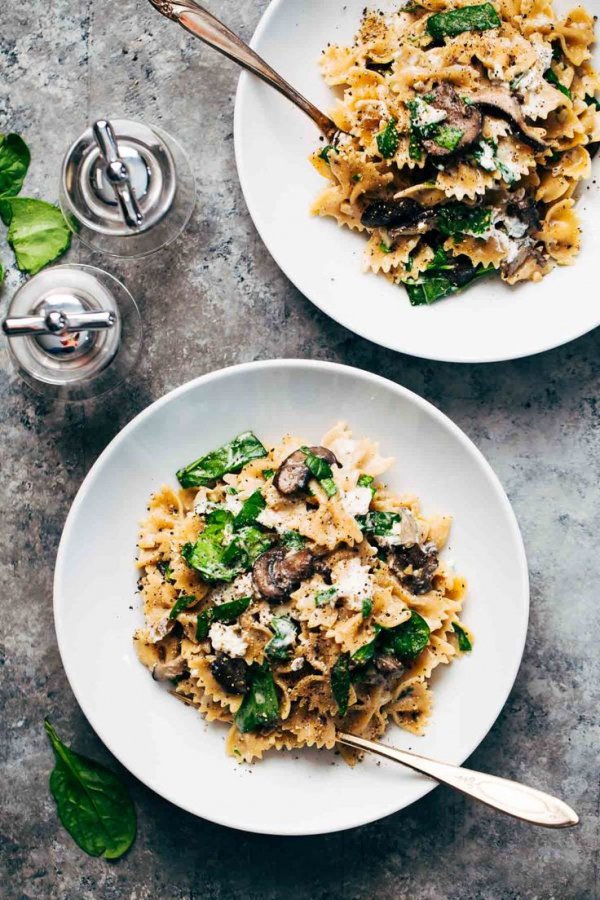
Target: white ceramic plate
(166, 744)
(273, 139)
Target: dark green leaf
(414, 146)
(551, 77)
(592, 101)
(428, 290)
(407, 640)
(232, 457)
(366, 481)
(380, 524)
(166, 571)
(388, 139)
(293, 540)
(260, 708)
(92, 803)
(268, 473)
(320, 469)
(182, 603)
(340, 683)
(366, 653)
(250, 511)
(448, 137)
(464, 644)
(384, 247)
(458, 218)
(220, 554)
(285, 631)
(37, 233)
(367, 607)
(329, 486)
(14, 162)
(323, 598)
(225, 612)
(469, 18)
(324, 154)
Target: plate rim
(245, 81)
(293, 363)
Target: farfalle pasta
(288, 593)
(465, 131)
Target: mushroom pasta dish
(465, 130)
(288, 593)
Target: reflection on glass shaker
(127, 189)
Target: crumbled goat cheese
(297, 664)
(241, 587)
(508, 245)
(226, 639)
(406, 531)
(515, 228)
(232, 503)
(357, 501)
(278, 521)
(344, 449)
(544, 54)
(425, 114)
(203, 505)
(353, 581)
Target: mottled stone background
(218, 298)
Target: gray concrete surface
(536, 420)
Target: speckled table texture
(213, 299)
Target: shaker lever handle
(56, 322)
(117, 173)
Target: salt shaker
(127, 189)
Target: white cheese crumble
(357, 501)
(425, 114)
(486, 158)
(353, 581)
(297, 664)
(516, 228)
(232, 503)
(406, 531)
(226, 639)
(241, 587)
(278, 521)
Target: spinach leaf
(458, 218)
(324, 598)
(407, 640)
(448, 137)
(92, 803)
(37, 232)
(552, 78)
(285, 631)
(220, 554)
(464, 643)
(592, 101)
(251, 509)
(268, 473)
(366, 607)
(320, 469)
(414, 146)
(180, 604)
(260, 708)
(380, 524)
(231, 457)
(388, 139)
(324, 154)
(225, 612)
(444, 276)
(385, 248)
(166, 571)
(428, 290)
(366, 653)
(367, 481)
(340, 683)
(469, 18)
(293, 540)
(14, 162)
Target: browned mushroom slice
(460, 118)
(232, 674)
(501, 102)
(278, 572)
(167, 671)
(293, 474)
(414, 565)
(402, 217)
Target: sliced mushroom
(526, 210)
(414, 565)
(167, 671)
(403, 217)
(500, 101)
(279, 571)
(232, 674)
(459, 115)
(384, 669)
(528, 250)
(293, 474)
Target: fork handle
(525, 803)
(202, 24)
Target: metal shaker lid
(118, 178)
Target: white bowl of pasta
(457, 217)
(341, 629)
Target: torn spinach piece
(293, 540)
(407, 640)
(380, 524)
(225, 612)
(14, 163)
(552, 78)
(366, 607)
(285, 631)
(340, 683)
(444, 276)
(324, 154)
(180, 604)
(325, 597)
(448, 137)
(481, 17)
(250, 511)
(464, 642)
(388, 139)
(220, 553)
(231, 457)
(320, 469)
(458, 218)
(260, 709)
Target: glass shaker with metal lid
(73, 331)
(127, 189)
